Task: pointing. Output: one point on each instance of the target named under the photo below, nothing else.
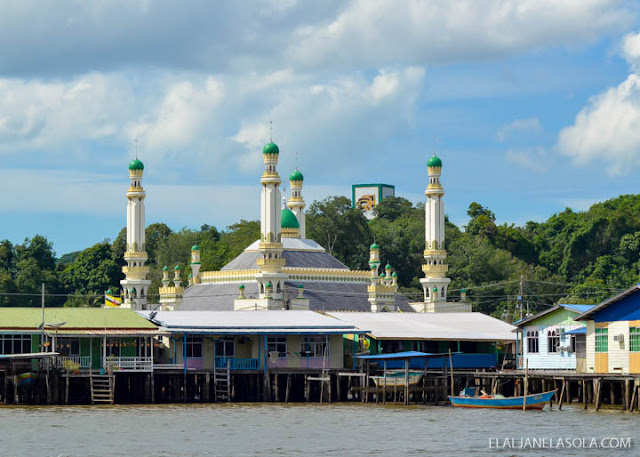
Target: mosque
(284, 270)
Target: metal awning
(577, 331)
(29, 356)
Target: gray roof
(323, 296)
(296, 259)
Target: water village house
(613, 334)
(478, 336)
(549, 340)
(291, 341)
(86, 338)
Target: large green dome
(135, 164)
(434, 161)
(289, 220)
(296, 176)
(270, 148)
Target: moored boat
(397, 378)
(532, 401)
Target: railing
(236, 364)
(129, 363)
(81, 362)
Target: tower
(195, 264)
(296, 202)
(271, 259)
(135, 285)
(382, 289)
(435, 282)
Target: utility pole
(42, 347)
(520, 294)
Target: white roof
(275, 321)
(430, 326)
(292, 244)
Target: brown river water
(313, 430)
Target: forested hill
(579, 257)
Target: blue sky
(534, 106)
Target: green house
(85, 338)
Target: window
(602, 340)
(277, 344)
(314, 346)
(225, 347)
(572, 344)
(532, 342)
(68, 346)
(634, 339)
(553, 341)
(194, 347)
(15, 344)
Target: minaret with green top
(135, 286)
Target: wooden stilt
(288, 389)
(627, 394)
(561, 395)
(66, 390)
(585, 394)
(598, 393)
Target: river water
(311, 430)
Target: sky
(532, 105)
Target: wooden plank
(561, 396)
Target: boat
(397, 378)
(533, 401)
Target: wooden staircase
(222, 384)
(102, 388)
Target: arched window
(532, 342)
(553, 341)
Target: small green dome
(271, 148)
(394, 275)
(289, 220)
(269, 285)
(434, 161)
(296, 176)
(375, 246)
(195, 247)
(135, 164)
(300, 286)
(435, 289)
(190, 276)
(388, 267)
(166, 268)
(382, 275)
(241, 286)
(177, 267)
(109, 292)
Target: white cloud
(535, 159)
(607, 130)
(518, 127)
(435, 31)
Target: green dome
(382, 275)
(241, 286)
(300, 286)
(375, 246)
(388, 267)
(434, 161)
(190, 276)
(166, 268)
(289, 220)
(270, 148)
(135, 164)
(177, 267)
(195, 247)
(296, 176)
(269, 285)
(435, 289)
(109, 292)
(394, 275)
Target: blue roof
(403, 355)
(577, 308)
(577, 331)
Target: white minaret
(271, 260)
(296, 203)
(135, 286)
(435, 282)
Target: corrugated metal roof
(431, 326)
(589, 313)
(264, 331)
(254, 320)
(576, 308)
(74, 318)
(577, 331)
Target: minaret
(271, 259)
(435, 282)
(195, 265)
(296, 202)
(135, 285)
